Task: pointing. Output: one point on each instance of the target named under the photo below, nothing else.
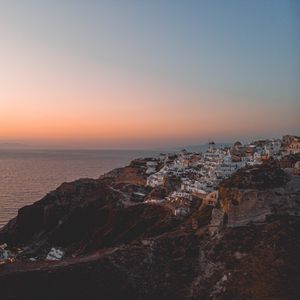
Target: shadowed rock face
(244, 199)
(116, 249)
(57, 209)
(83, 216)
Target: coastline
(96, 237)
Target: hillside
(246, 247)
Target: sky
(142, 74)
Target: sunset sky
(140, 74)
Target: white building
(156, 179)
(151, 167)
(182, 211)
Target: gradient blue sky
(127, 74)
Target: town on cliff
(170, 214)
(179, 180)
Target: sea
(28, 175)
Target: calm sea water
(27, 175)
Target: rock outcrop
(253, 194)
(83, 216)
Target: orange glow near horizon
(48, 98)
(110, 113)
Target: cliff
(117, 248)
(253, 194)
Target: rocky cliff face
(83, 216)
(253, 194)
(119, 249)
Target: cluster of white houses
(200, 173)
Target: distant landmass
(13, 145)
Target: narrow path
(20, 267)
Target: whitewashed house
(151, 167)
(156, 179)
